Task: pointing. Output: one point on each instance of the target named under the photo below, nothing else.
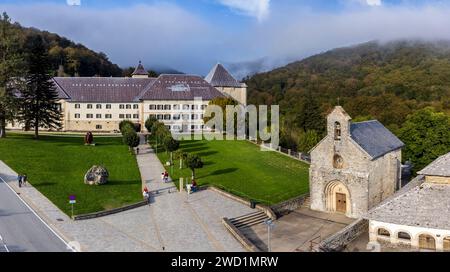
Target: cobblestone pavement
(173, 221)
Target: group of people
(22, 179)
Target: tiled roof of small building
(426, 205)
(220, 77)
(101, 89)
(440, 167)
(374, 138)
(140, 71)
(179, 87)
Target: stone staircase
(307, 203)
(249, 220)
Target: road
(21, 230)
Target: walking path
(173, 222)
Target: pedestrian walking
(146, 195)
(137, 151)
(19, 179)
(24, 180)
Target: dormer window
(337, 131)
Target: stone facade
(344, 177)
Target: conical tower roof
(220, 77)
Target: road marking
(23, 201)
(4, 245)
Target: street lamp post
(270, 225)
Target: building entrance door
(341, 203)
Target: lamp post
(270, 225)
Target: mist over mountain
(375, 80)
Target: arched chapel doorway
(337, 198)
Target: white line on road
(23, 201)
(4, 245)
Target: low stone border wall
(109, 212)
(239, 236)
(339, 240)
(283, 151)
(267, 210)
(289, 206)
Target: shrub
(131, 139)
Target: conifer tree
(39, 107)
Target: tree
(131, 139)
(222, 102)
(426, 134)
(150, 122)
(309, 117)
(171, 145)
(39, 107)
(180, 155)
(10, 63)
(308, 140)
(194, 162)
(125, 126)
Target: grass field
(56, 166)
(242, 168)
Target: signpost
(72, 201)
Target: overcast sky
(192, 35)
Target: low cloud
(168, 35)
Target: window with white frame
(89, 106)
(77, 106)
(98, 106)
(77, 115)
(108, 116)
(89, 116)
(108, 106)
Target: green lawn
(56, 167)
(242, 168)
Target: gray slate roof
(374, 138)
(140, 70)
(101, 89)
(426, 205)
(179, 87)
(440, 167)
(124, 90)
(220, 77)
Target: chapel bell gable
(338, 123)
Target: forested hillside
(372, 80)
(71, 59)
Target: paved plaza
(297, 231)
(173, 221)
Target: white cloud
(255, 8)
(74, 2)
(374, 2)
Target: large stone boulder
(97, 175)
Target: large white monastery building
(99, 104)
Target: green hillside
(372, 80)
(75, 59)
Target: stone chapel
(355, 167)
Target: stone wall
(289, 205)
(341, 239)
